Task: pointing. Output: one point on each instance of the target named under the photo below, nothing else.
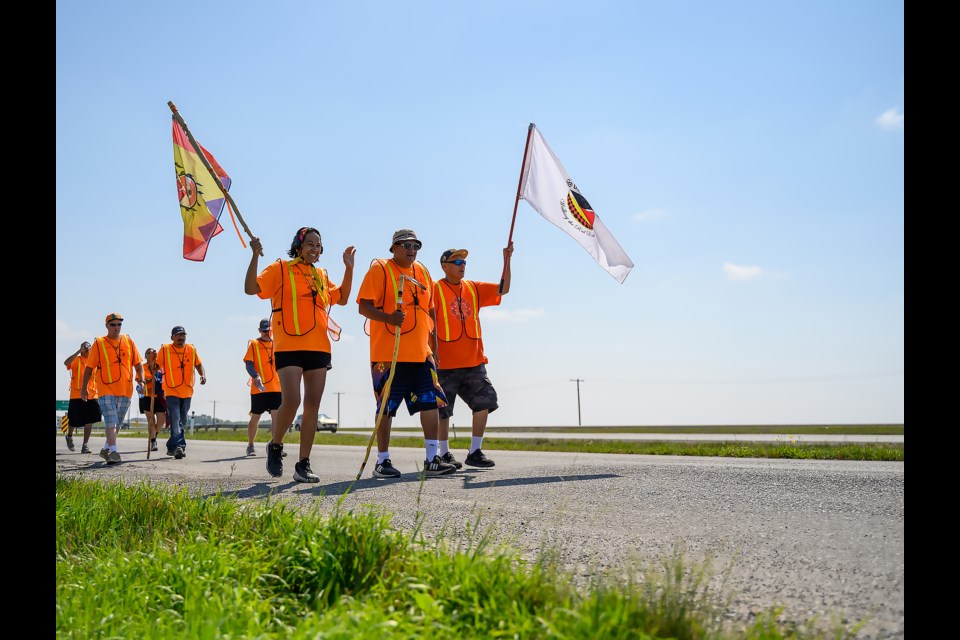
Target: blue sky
(748, 156)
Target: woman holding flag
(301, 295)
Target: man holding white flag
(547, 187)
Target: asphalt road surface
(821, 538)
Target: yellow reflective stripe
(293, 298)
(259, 358)
(75, 369)
(446, 318)
(476, 311)
(321, 285)
(105, 358)
(393, 279)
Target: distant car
(324, 423)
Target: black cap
(264, 325)
(177, 329)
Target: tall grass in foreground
(152, 562)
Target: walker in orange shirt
(177, 361)
(265, 395)
(81, 412)
(301, 295)
(114, 358)
(415, 380)
(461, 362)
(153, 404)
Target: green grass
(150, 562)
(790, 447)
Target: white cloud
(739, 272)
(890, 119)
(649, 214)
(502, 315)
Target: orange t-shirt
(178, 367)
(459, 337)
(113, 365)
(308, 317)
(260, 353)
(149, 386)
(76, 379)
(380, 285)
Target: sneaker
(178, 453)
(70, 443)
(437, 467)
(477, 459)
(113, 457)
(251, 450)
(104, 453)
(283, 454)
(449, 459)
(303, 473)
(275, 459)
(85, 448)
(386, 469)
(153, 445)
(169, 451)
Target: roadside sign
(63, 405)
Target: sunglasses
(114, 324)
(459, 262)
(410, 245)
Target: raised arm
(507, 254)
(250, 286)
(347, 284)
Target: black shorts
(82, 412)
(471, 384)
(265, 401)
(159, 404)
(306, 360)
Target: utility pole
(578, 381)
(338, 394)
(214, 413)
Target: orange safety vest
(300, 316)
(113, 369)
(450, 329)
(185, 366)
(259, 364)
(422, 298)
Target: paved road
(822, 538)
(692, 437)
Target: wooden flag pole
(385, 394)
(206, 163)
(523, 165)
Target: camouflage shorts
(472, 385)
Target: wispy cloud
(890, 119)
(740, 272)
(649, 214)
(502, 315)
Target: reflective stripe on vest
(321, 291)
(394, 277)
(76, 368)
(257, 346)
(104, 357)
(446, 313)
(189, 355)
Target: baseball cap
(177, 329)
(405, 234)
(114, 316)
(264, 325)
(451, 254)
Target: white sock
(113, 447)
(382, 455)
(432, 446)
(475, 442)
(444, 447)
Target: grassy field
(151, 562)
(791, 446)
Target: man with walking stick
(398, 311)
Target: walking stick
(385, 394)
(153, 397)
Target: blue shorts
(414, 383)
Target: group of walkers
(426, 349)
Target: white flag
(549, 190)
